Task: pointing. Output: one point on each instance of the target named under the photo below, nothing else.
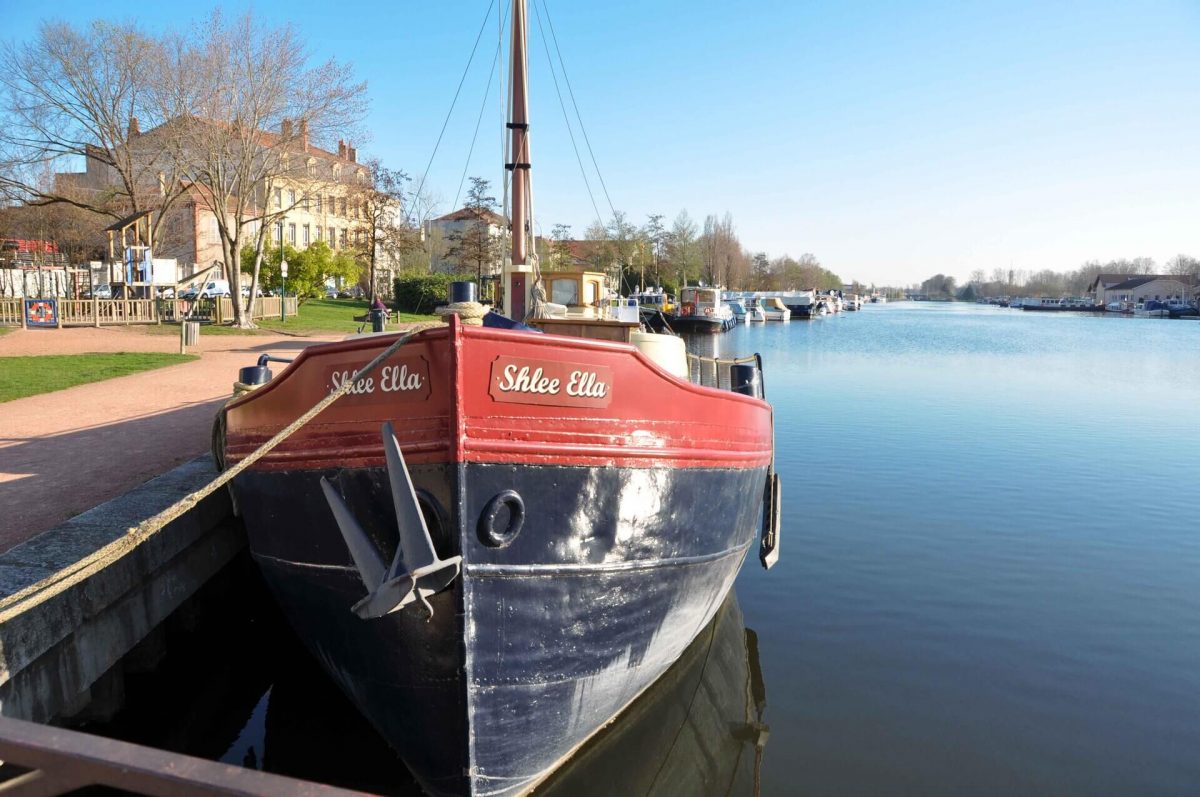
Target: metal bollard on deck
(189, 334)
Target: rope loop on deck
(470, 313)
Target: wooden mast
(518, 275)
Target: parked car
(246, 291)
(213, 288)
(103, 291)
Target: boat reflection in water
(698, 730)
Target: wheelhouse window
(564, 291)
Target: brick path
(64, 452)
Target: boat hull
(637, 518)
(702, 324)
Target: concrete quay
(64, 628)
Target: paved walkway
(64, 452)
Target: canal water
(989, 584)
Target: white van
(209, 289)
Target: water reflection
(698, 731)
(238, 687)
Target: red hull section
(475, 394)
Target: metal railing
(714, 371)
(42, 760)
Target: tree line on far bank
(656, 255)
(653, 254)
(1047, 282)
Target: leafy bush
(420, 293)
(308, 269)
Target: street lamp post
(283, 290)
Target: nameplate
(550, 382)
(398, 379)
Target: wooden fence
(10, 312)
(108, 312)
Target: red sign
(552, 382)
(397, 379)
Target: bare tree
(1184, 265)
(476, 243)
(73, 94)
(223, 90)
(389, 234)
(656, 236)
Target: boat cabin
(582, 311)
(695, 300)
(581, 292)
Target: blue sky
(892, 140)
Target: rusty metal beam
(63, 760)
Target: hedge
(421, 293)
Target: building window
(279, 232)
(292, 234)
(337, 172)
(312, 168)
(345, 214)
(343, 241)
(304, 202)
(278, 198)
(361, 176)
(304, 235)
(318, 206)
(291, 198)
(318, 232)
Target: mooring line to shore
(58, 582)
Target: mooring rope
(470, 313)
(57, 583)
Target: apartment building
(313, 199)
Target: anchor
(416, 571)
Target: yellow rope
(470, 313)
(22, 600)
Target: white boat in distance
(745, 310)
(773, 308)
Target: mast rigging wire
(566, 117)
(486, 16)
(571, 92)
(482, 107)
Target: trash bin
(377, 317)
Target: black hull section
(801, 310)
(538, 643)
(1033, 308)
(701, 324)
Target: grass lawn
(29, 376)
(333, 315)
(5, 330)
(316, 316)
